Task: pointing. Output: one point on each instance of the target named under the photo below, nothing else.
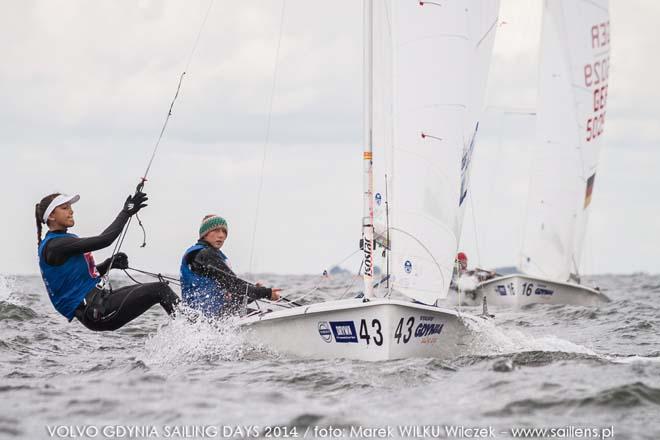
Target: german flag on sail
(590, 189)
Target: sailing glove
(120, 261)
(135, 202)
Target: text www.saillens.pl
(563, 432)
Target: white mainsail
(431, 61)
(429, 64)
(573, 78)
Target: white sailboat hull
(520, 290)
(375, 330)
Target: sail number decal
(400, 331)
(426, 331)
(596, 74)
(527, 290)
(376, 327)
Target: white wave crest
(491, 339)
(634, 359)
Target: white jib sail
(573, 78)
(431, 61)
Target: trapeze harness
(71, 278)
(209, 285)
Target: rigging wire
(132, 279)
(178, 89)
(267, 140)
(106, 278)
(352, 281)
(155, 275)
(323, 277)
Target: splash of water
(467, 283)
(192, 338)
(493, 340)
(7, 284)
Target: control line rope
(106, 278)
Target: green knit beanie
(211, 222)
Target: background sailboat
(425, 73)
(572, 100)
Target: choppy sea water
(561, 367)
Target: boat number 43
(372, 331)
(376, 334)
(404, 330)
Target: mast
(367, 156)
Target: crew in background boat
(461, 263)
(71, 276)
(461, 270)
(208, 283)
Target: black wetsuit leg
(105, 311)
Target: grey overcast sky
(85, 86)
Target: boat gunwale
(354, 303)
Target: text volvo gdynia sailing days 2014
(169, 431)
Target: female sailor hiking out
(71, 276)
(208, 283)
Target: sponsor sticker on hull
(324, 331)
(543, 291)
(344, 331)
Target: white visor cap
(57, 201)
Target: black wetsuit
(103, 310)
(208, 262)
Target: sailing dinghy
(426, 67)
(572, 99)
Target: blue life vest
(200, 292)
(68, 283)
